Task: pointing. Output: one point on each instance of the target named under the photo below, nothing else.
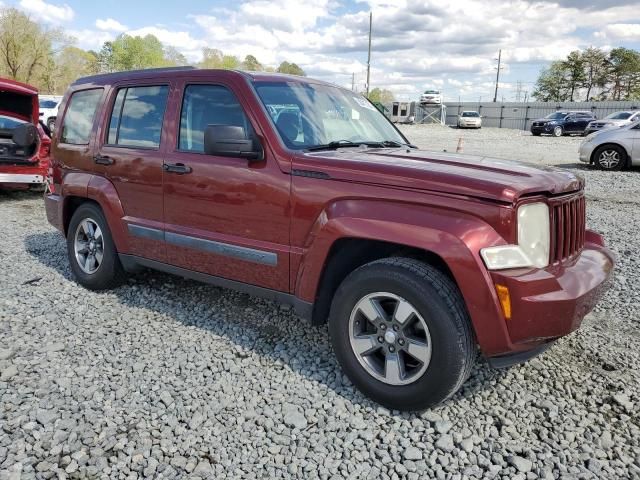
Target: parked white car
(433, 97)
(49, 105)
(616, 119)
(469, 119)
(613, 148)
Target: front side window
(307, 115)
(78, 121)
(557, 116)
(204, 105)
(137, 115)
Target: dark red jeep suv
(303, 192)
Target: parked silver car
(616, 119)
(613, 148)
(469, 119)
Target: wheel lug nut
(396, 328)
(383, 326)
(401, 342)
(380, 339)
(391, 349)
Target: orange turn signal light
(505, 300)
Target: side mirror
(231, 141)
(25, 135)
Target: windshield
(308, 115)
(619, 116)
(8, 123)
(48, 103)
(470, 114)
(432, 92)
(557, 116)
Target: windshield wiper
(349, 143)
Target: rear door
(130, 153)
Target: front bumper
(585, 151)
(543, 129)
(550, 303)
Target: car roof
(177, 72)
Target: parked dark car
(303, 192)
(563, 123)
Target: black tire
(558, 131)
(51, 124)
(600, 160)
(109, 273)
(438, 301)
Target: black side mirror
(25, 135)
(231, 141)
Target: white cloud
(620, 31)
(47, 12)
(110, 25)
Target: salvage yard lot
(168, 378)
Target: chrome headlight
(534, 241)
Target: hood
(469, 175)
(19, 100)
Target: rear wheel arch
(71, 204)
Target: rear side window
(78, 121)
(136, 119)
(204, 105)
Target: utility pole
(353, 82)
(369, 56)
(495, 96)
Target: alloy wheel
(88, 246)
(609, 159)
(390, 338)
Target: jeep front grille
(568, 225)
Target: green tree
(251, 64)
(211, 58)
(595, 69)
(229, 62)
(574, 70)
(551, 85)
(290, 68)
(26, 48)
(381, 95)
(131, 53)
(624, 73)
(173, 58)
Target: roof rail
(101, 76)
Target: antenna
(369, 56)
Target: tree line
(592, 74)
(48, 58)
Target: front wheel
(402, 334)
(557, 131)
(92, 254)
(610, 157)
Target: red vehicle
(24, 144)
(305, 193)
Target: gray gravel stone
(445, 443)
(412, 453)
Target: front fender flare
(455, 237)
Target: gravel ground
(168, 378)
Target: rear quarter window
(78, 121)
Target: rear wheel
(610, 157)
(92, 254)
(402, 333)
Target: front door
(226, 217)
(130, 156)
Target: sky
(417, 45)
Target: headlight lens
(533, 245)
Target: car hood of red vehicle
(470, 175)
